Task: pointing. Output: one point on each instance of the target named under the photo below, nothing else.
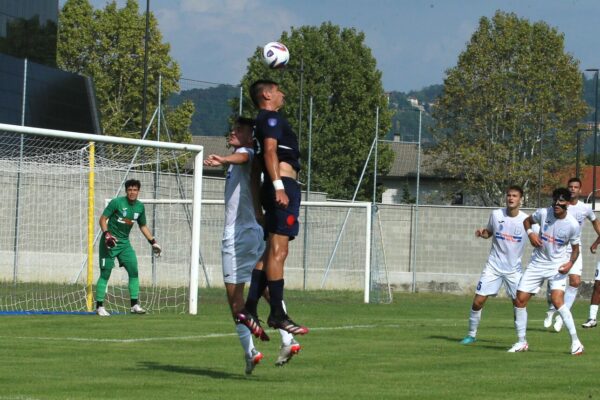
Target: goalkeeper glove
(155, 247)
(109, 240)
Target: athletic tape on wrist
(278, 184)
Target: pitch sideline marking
(195, 337)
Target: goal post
(53, 163)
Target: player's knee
(574, 281)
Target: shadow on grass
(209, 373)
(486, 344)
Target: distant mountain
(405, 121)
(212, 114)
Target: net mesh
(43, 243)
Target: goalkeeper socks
(134, 287)
(134, 302)
(99, 304)
(258, 283)
(276, 293)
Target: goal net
(55, 185)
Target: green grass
(406, 350)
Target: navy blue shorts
(283, 221)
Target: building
(33, 92)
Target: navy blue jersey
(270, 124)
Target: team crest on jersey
(272, 122)
(135, 216)
(124, 212)
(500, 227)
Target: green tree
(108, 45)
(512, 87)
(340, 74)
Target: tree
(340, 74)
(108, 45)
(510, 107)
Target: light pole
(578, 152)
(595, 70)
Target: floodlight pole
(595, 70)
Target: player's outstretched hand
(109, 240)
(156, 249)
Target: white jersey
(556, 235)
(580, 212)
(239, 208)
(508, 240)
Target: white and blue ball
(276, 55)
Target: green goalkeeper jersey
(121, 215)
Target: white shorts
(534, 277)
(240, 251)
(577, 267)
(491, 280)
(597, 275)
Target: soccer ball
(276, 55)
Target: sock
(286, 337)
(102, 284)
(134, 287)
(521, 323)
(258, 283)
(276, 293)
(567, 318)
(101, 304)
(134, 302)
(474, 320)
(245, 338)
(593, 311)
(570, 296)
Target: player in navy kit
(279, 156)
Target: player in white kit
(550, 260)
(581, 211)
(505, 226)
(595, 300)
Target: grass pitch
(406, 350)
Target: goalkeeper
(116, 222)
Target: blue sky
(414, 42)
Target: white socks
(245, 338)
(521, 323)
(593, 311)
(567, 318)
(570, 295)
(474, 320)
(286, 337)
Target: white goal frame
(338, 204)
(197, 179)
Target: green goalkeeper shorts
(123, 251)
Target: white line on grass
(195, 337)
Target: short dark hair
(250, 122)
(516, 188)
(132, 182)
(258, 87)
(575, 179)
(563, 193)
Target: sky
(414, 42)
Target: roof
(404, 164)
(212, 145)
(405, 160)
